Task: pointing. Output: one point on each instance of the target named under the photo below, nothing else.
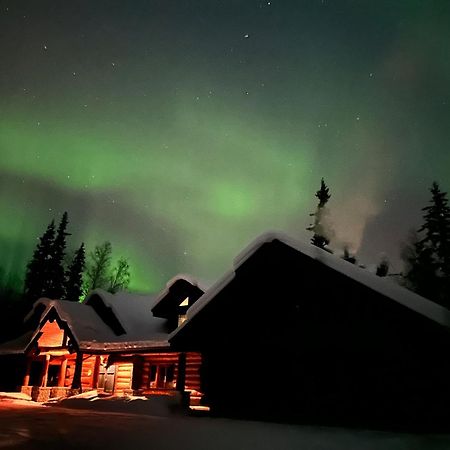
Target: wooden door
(106, 376)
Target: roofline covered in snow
(123, 347)
(34, 334)
(94, 347)
(399, 294)
(52, 305)
(18, 345)
(98, 346)
(104, 296)
(181, 276)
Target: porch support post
(157, 376)
(62, 373)
(45, 371)
(76, 383)
(181, 376)
(26, 378)
(96, 372)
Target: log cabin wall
(193, 364)
(87, 372)
(124, 376)
(70, 370)
(149, 379)
(66, 364)
(135, 372)
(51, 365)
(147, 373)
(157, 360)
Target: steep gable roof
(89, 329)
(177, 289)
(380, 285)
(81, 323)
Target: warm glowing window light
(185, 302)
(181, 318)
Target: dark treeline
(51, 273)
(426, 256)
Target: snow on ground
(14, 395)
(162, 406)
(56, 427)
(16, 400)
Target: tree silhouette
(382, 267)
(97, 274)
(38, 274)
(57, 272)
(120, 277)
(420, 268)
(427, 256)
(321, 234)
(74, 276)
(437, 228)
(347, 256)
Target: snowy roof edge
(397, 293)
(181, 276)
(111, 347)
(49, 305)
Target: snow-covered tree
(321, 237)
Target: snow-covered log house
(113, 343)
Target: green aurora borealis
(180, 130)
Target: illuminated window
(162, 376)
(185, 302)
(181, 318)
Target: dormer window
(185, 302)
(182, 309)
(173, 303)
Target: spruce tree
(74, 276)
(437, 229)
(38, 274)
(421, 269)
(57, 276)
(321, 234)
(428, 256)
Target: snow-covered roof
(142, 330)
(81, 321)
(134, 313)
(190, 279)
(381, 285)
(18, 345)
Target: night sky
(180, 130)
